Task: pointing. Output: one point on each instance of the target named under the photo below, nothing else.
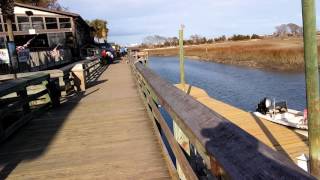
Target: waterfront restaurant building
(49, 28)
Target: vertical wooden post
(312, 83)
(181, 55)
(147, 58)
(184, 142)
(54, 93)
(47, 96)
(207, 56)
(63, 84)
(79, 77)
(24, 95)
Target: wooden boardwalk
(280, 138)
(104, 133)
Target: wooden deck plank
(284, 140)
(103, 134)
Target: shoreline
(250, 64)
(270, 54)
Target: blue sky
(130, 21)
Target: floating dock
(280, 138)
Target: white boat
(281, 114)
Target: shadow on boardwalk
(93, 80)
(103, 134)
(33, 140)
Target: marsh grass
(270, 54)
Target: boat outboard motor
(264, 106)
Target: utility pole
(312, 83)
(181, 55)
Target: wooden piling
(312, 83)
(181, 55)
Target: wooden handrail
(70, 66)
(48, 93)
(92, 65)
(63, 74)
(178, 152)
(63, 70)
(219, 142)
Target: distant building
(50, 27)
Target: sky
(130, 21)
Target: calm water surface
(239, 86)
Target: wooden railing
(141, 56)
(23, 98)
(83, 73)
(204, 144)
(19, 100)
(91, 68)
(66, 75)
(40, 60)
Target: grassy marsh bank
(274, 54)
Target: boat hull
(291, 118)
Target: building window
(23, 23)
(65, 23)
(51, 23)
(37, 22)
(55, 39)
(14, 27)
(69, 40)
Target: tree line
(286, 30)
(283, 30)
(161, 41)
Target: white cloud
(135, 19)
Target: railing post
(184, 142)
(24, 95)
(47, 96)
(312, 83)
(79, 77)
(63, 84)
(147, 57)
(54, 92)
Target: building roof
(47, 10)
(74, 15)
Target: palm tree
(100, 27)
(7, 8)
